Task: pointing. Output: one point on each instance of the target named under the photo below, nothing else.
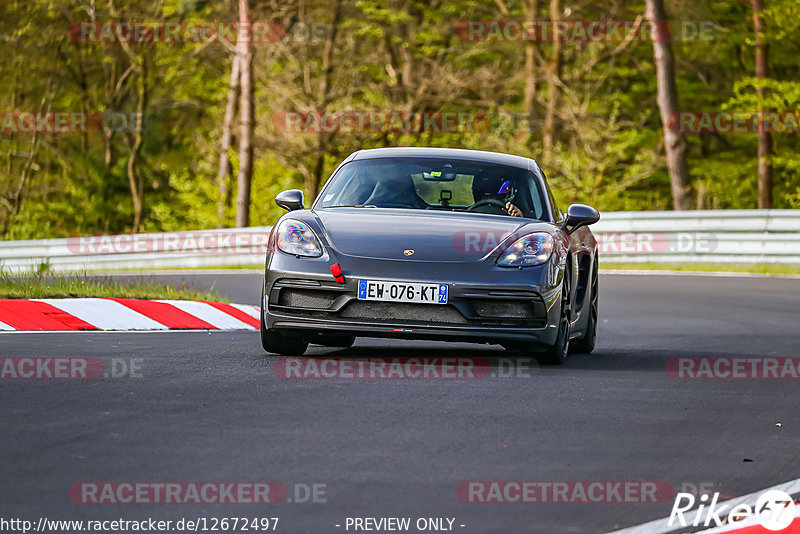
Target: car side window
(537, 209)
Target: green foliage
(41, 285)
(387, 55)
(269, 179)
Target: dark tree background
(588, 111)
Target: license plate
(402, 292)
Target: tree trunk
(531, 8)
(764, 135)
(137, 183)
(225, 144)
(552, 91)
(139, 65)
(245, 59)
(674, 142)
(312, 184)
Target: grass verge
(754, 268)
(39, 286)
(242, 267)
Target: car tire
(585, 344)
(556, 353)
(277, 343)
(282, 344)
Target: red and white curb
(752, 526)
(746, 526)
(124, 314)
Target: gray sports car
(432, 243)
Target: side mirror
(580, 215)
(290, 200)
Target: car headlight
(532, 249)
(295, 237)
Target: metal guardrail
(733, 236)
(724, 236)
(228, 247)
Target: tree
(674, 142)
(138, 62)
(553, 73)
(531, 10)
(764, 135)
(606, 128)
(225, 142)
(245, 59)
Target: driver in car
(494, 188)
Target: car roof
(455, 153)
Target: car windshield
(435, 184)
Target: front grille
(404, 312)
(306, 298)
(504, 309)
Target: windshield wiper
(353, 206)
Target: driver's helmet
(493, 187)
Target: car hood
(417, 235)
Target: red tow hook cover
(336, 271)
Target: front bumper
(485, 304)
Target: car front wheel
(557, 352)
(278, 343)
(585, 344)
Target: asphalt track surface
(209, 408)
